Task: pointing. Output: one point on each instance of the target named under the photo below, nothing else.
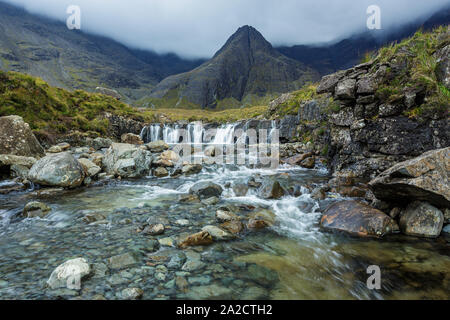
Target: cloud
(198, 28)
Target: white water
(195, 133)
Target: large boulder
(157, 146)
(424, 178)
(358, 219)
(58, 170)
(206, 190)
(127, 161)
(422, 220)
(16, 138)
(131, 138)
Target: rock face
(57, 170)
(206, 190)
(246, 64)
(358, 219)
(421, 219)
(423, 178)
(443, 66)
(16, 138)
(127, 161)
(69, 274)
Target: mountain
(348, 52)
(247, 65)
(72, 59)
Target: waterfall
(195, 133)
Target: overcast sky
(198, 28)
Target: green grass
(417, 55)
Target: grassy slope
(58, 111)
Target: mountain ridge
(246, 65)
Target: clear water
(295, 259)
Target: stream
(294, 259)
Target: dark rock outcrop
(424, 178)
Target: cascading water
(195, 133)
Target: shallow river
(294, 259)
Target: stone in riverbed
(210, 201)
(36, 209)
(217, 233)
(421, 219)
(233, 226)
(425, 178)
(358, 219)
(132, 293)
(69, 274)
(193, 265)
(308, 163)
(206, 190)
(157, 146)
(90, 168)
(16, 138)
(297, 159)
(124, 260)
(224, 216)
(161, 172)
(271, 190)
(58, 170)
(154, 229)
(191, 169)
(202, 238)
(213, 291)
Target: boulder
(90, 168)
(308, 163)
(424, 178)
(157, 146)
(297, 159)
(36, 209)
(202, 238)
(161, 172)
(57, 170)
(100, 143)
(232, 226)
(206, 190)
(191, 169)
(422, 220)
(271, 190)
(69, 274)
(127, 161)
(131, 138)
(329, 82)
(16, 138)
(7, 160)
(168, 159)
(358, 219)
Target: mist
(198, 28)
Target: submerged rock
(206, 190)
(58, 170)
(36, 209)
(132, 293)
(217, 233)
(124, 260)
(421, 219)
(69, 274)
(240, 189)
(425, 178)
(202, 238)
(358, 219)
